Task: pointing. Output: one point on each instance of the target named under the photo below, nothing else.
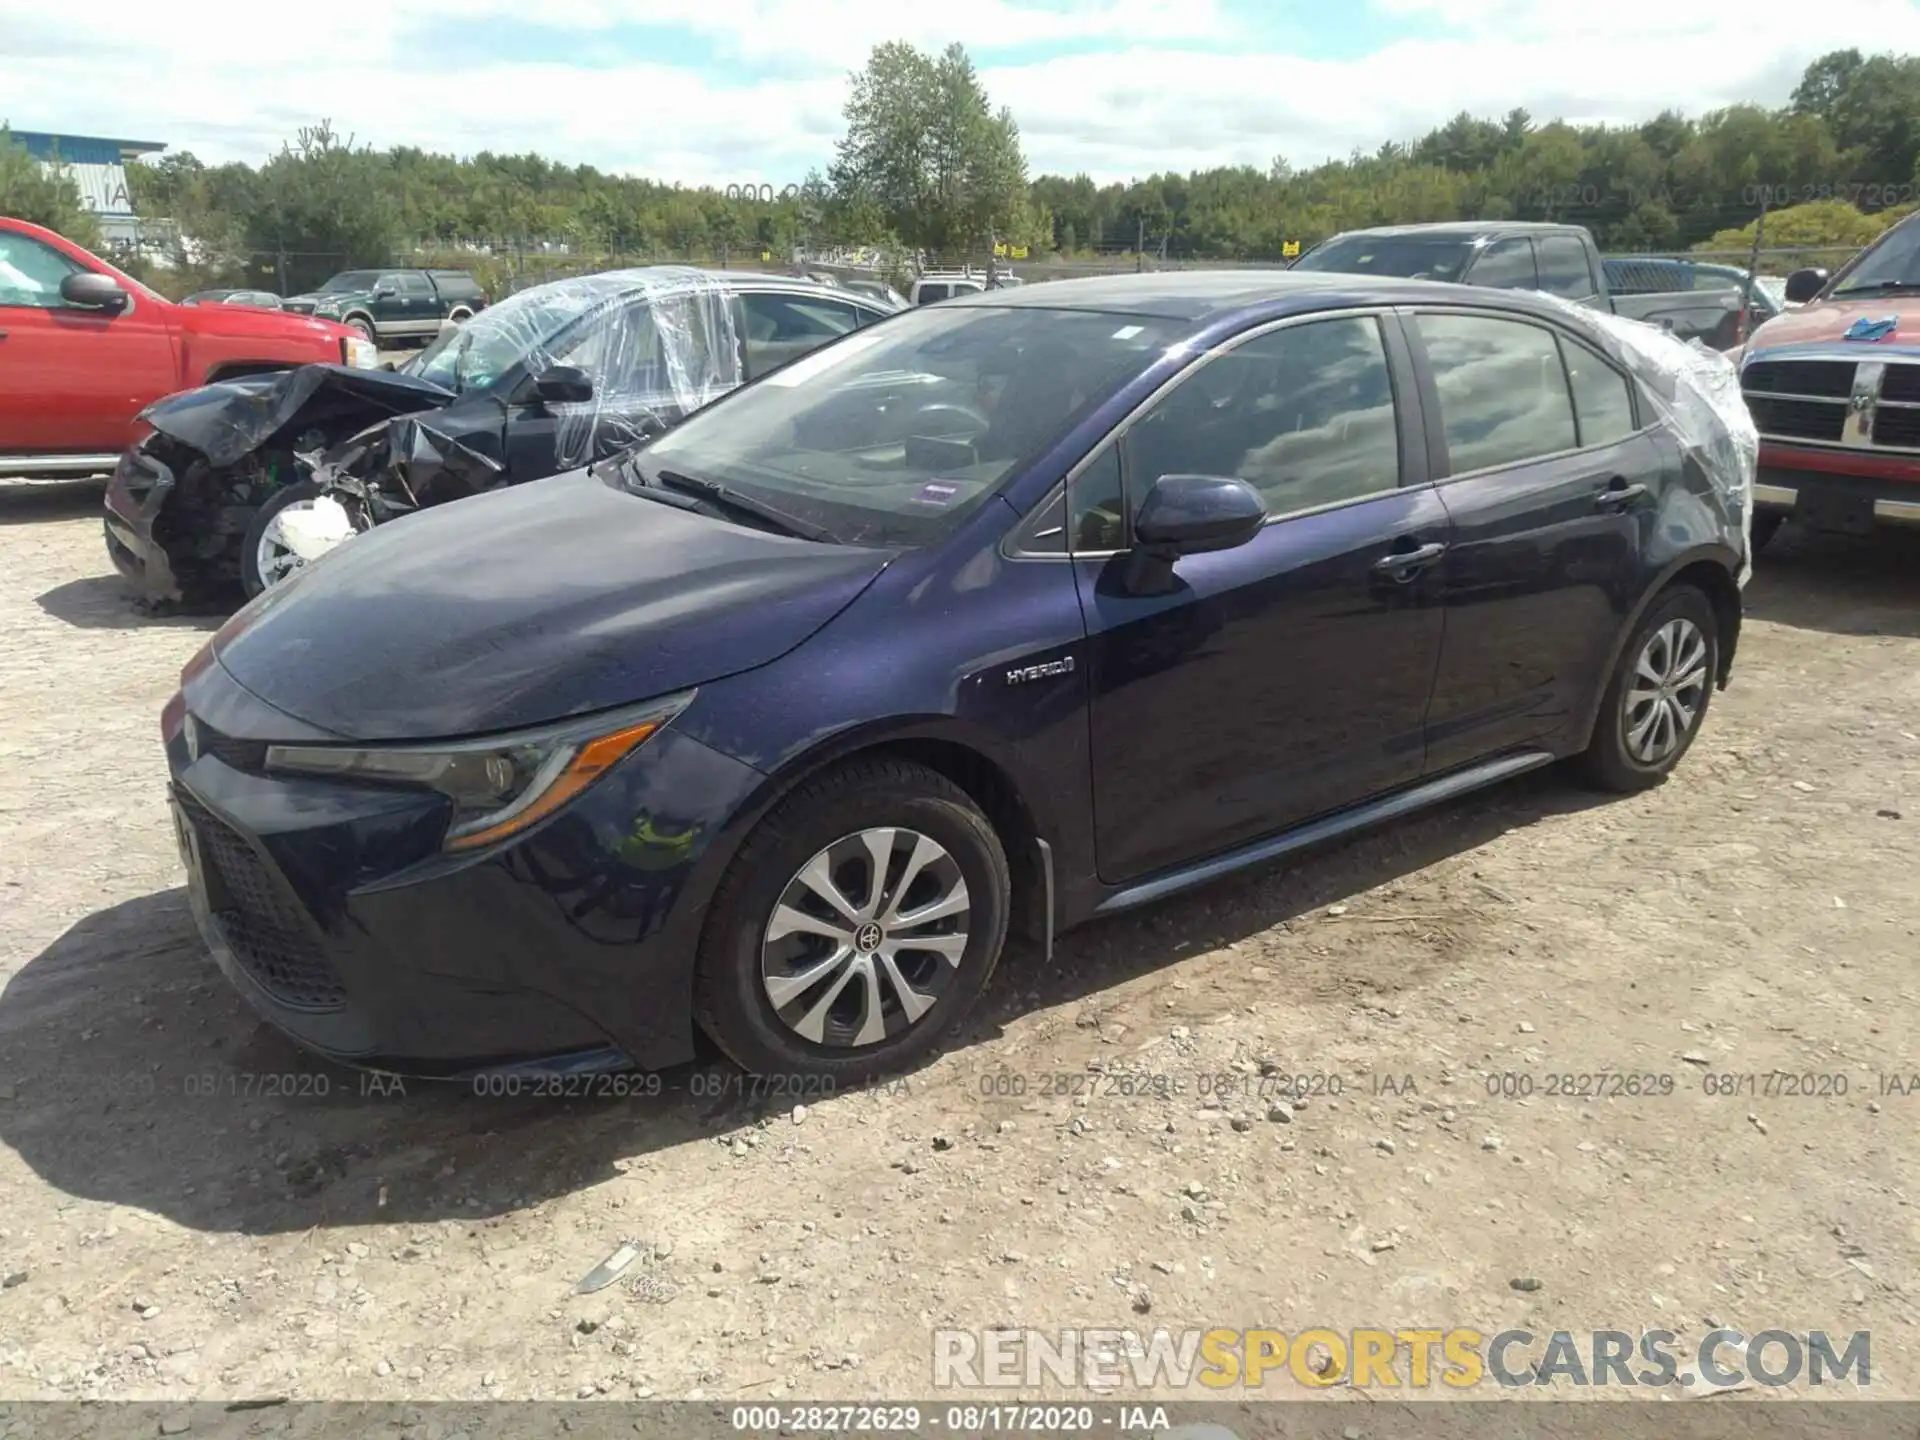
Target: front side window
(415, 285)
(1099, 502)
(30, 273)
(1304, 414)
(893, 434)
(350, 280)
(1506, 265)
(778, 328)
(1503, 391)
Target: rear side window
(1563, 267)
(1602, 396)
(1506, 265)
(1503, 390)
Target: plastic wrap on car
(657, 343)
(1698, 393)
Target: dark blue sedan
(992, 617)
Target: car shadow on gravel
(1839, 584)
(131, 1072)
(103, 602)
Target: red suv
(84, 349)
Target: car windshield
(893, 434)
(1416, 257)
(475, 355)
(352, 280)
(1891, 263)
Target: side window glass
(1602, 396)
(779, 328)
(1563, 267)
(1304, 414)
(1503, 391)
(30, 273)
(1099, 506)
(415, 285)
(619, 350)
(1506, 265)
(1046, 532)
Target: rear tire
(1658, 697)
(792, 980)
(258, 564)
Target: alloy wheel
(866, 937)
(274, 558)
(1667, 692)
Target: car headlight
(360, 352)
(500, 785)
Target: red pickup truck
(85, 348)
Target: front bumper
(139, 487)
(1844, 491)
(331, 908)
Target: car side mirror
(95, 291)
(563, 385)
(1803, 285)
(1189, 515)
(383, 292)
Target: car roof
(1198, 295)
(1466, 229)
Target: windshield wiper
(728, 498)
(1877, 287)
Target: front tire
(1658, 696)
(856, 927)
(1766, 525)
(264, 559)
(365, 327)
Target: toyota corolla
(995, 616)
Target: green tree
(925, 149)
(43, 196)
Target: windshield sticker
(936, 492)
(1869, 329)
(1127, 332)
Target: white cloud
(230, 80)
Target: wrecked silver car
(548, 380)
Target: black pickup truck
(1525, 255)
(389, 305)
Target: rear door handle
(1402, 564)
(1618, 494)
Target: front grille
(1901, 382)
(1798, 419)
(247, 755)
(1898, 429)
(1832, 379)
(269, 933)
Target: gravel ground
(190, 1207)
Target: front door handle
(1404, 564)
(1618, 494)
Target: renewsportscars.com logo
(1404, 1358)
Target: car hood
(230, 419)
(1827, 321)
(531, 604)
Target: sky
(749, 91)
